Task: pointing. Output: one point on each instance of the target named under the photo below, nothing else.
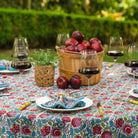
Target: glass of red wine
(132, 61)
(89, 65)
(115, 49)
(20, 54)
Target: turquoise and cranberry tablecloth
(120, 119)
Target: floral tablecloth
(120, 119)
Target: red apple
(94, 40)
(78, 36)
(80, 47)
(96, 46)
(62, 82)
(86, 44)
(75, 82)
(71, 41)
(71, 48)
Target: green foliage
(41, 28)
(42, 58)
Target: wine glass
(115, 48)
(89, 65)
(20, 54)
(61, 38)
(131, 60)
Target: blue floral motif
(77, 130)
(39, 123)
(83, 126)
(98, 121)
(33, 134)
(92, 121)
(44, 121)
(64, 136)
(133, 122)
(60, 124)
(112, 126)
(3, 130)
(8, 122)
(71, 132)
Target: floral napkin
(65, 102)
(4, 85)
(3, 64)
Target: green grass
(6, 54)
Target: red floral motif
(106, 134)
(88, 114)
(108, 112)
(127, 129)
(20, 98)
(97, 130)
(45, 130)
(6, 106)
(128, 109)
(66, 119)
(34, 110)
(56, 132)
(11, 113)
(26, 130)
(31, 117)
(137, 118)
(76, 122)
(15, 129)
(78, 137)
(44, 116)
(2, 112)
(119, 123)
(105, 98)
(118, 113)
(116, 103)
(108, 107)
(98, 116)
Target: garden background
(41, 20)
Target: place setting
(3, 86)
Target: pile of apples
(77, 43)
(63, 83)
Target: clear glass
(115, 49)
(61, 38)
(20, 54)
(89, 65)
(131, 61)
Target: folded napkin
(64, 102)
(3, 64)
(4, 85)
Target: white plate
(133, 94)
(11, 72)
(45, 99)
(130, 73)
(2, 88)
(8, 71)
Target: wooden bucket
(69, 65)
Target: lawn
(6, 54)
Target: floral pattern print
(120, 119)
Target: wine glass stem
(88, 87)
(134, 73)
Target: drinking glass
(131, 60)
(115, 49)
(61, 38)
(20, 54)
(89, 65)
